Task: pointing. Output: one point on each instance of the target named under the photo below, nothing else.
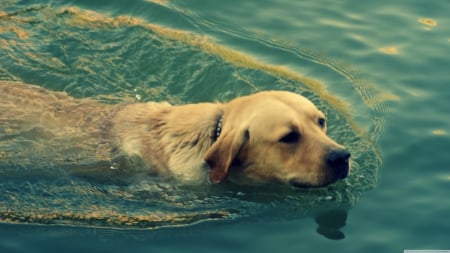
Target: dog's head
(277, 136)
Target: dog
(270, 136)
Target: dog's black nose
(338, 160)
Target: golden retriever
(270, 136)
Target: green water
(379, 70)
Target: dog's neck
(172, 139)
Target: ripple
(428, 22)
(388, 50)
(124, 58)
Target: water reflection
(330, 223)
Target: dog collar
(218, 128)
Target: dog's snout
(338, 160)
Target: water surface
(377, 69)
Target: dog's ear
(221, 154)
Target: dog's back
(39, 126)
(24, 105)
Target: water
(379, 70)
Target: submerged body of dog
(269, 136)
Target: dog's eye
(291, 137)
(321, 122)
